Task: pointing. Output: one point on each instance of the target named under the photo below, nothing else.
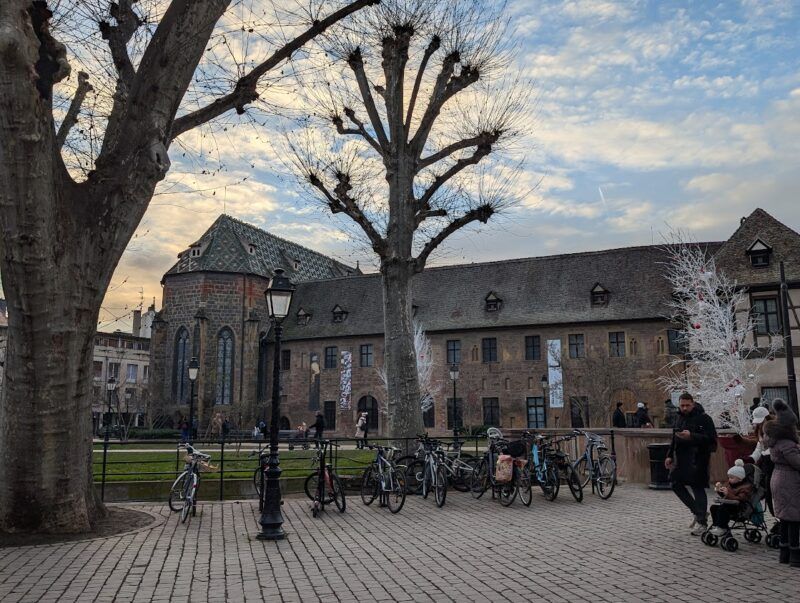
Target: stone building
(600, 314)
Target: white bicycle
(183, 495)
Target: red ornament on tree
(696, 325)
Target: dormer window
(251, 248)
(414, 309)
(493, 303)
(194, 251)
(599, 296)
(295, 264)
(339, 314)
(303, 317)
(759, 253)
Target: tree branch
(245, 90)
(483, 138)
(118, 37)
(359, 129)
(343, 202)
(431, 48)
(429, 213)
(479, 214)
(71, 118)
(356, 63)
(482, 151)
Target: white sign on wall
(554, 376)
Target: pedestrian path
(634, 547)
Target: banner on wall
(346, 380)
(554, 375)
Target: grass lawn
(161, 466)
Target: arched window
(284, 424)
(369, 405)
(224, 366)
(180, 366)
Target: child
(739, 489)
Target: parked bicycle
(429, 473)
(540, 466)
(484, 475)
(384, 480)
(323, 486)
(183, 494)
(564, 465)
(595, 465)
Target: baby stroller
(747, 516)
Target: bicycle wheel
(550, 483)
(462, 473)
(338, 493)
(480, 479)
(188, 496)
(177, 492)
(396, 497)
(440, 488)
(414, 472)
(524, 487)
(508, 492)
(573, 482)
(311, 484)
(369, 486)
(427, 481)
(583, 472)
(607, 477)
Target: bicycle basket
(516, 448)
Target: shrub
(141, 433)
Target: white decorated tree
(427, 385)
(720, 360)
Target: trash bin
(659, 475)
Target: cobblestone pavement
(634, 547)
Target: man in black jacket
(618, 419)
(693, 441)
(319, 427)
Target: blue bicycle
(541, 467)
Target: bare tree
(65, 228)
(411, 119)
(591, 383)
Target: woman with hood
(780, 436)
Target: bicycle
(566, 471)
(601, 471)
(540, 466)
(483, 477)
(384, 480)
(183, 494)
(429, 473)
(323, 486)
(459, 466)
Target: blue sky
(645, 114)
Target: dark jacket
(691, 457)
(618, 420)
(641, 418)
(319, 426)
(781, 437)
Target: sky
(646, 116)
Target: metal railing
(158, 462)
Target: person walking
(319, 427)
(761, 455)
(184, 425)
(361, 431)
(642, 418)
(618, 419)
(694, 439)
(782, 440)
(226, 429)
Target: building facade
(539, 342)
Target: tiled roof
(535, 291)
(226, 247)
(733, 260)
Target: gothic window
(224, 366)
(180, 366)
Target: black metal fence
(145, 469)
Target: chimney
(137, 322)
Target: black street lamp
(111, 385)
(194, 368)
(279, 298)
(454, 378)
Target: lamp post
(111, 385)
(279, 298)
(194, 368)
(454, 378)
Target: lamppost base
(271, 534)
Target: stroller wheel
(750, 535)
(756, 536)
(730, 544)
(711, 540)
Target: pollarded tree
(65, 225)
(410, 123)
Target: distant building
(602, 312)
